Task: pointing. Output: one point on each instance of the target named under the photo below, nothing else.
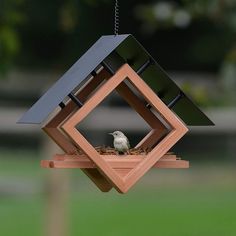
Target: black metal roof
(115, 51)
(71, 79)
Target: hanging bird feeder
(120, 63)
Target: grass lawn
(166, 212)
(200, 201)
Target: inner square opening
(112, 114)
(116, 113)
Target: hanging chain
(116, 18)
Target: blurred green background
(194, 41)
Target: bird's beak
(110, 133)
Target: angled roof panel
(71, 79)
(132, 51)
(116, 50)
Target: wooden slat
(151, 139)
(134, 101)
(92, 86)
(82, 95)
(117, 162)
(120, 166)
(52, 129)
(61, 140)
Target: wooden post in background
(57, 195)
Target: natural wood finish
(122, 165)
(119, 163)
(134, 101)
(178, 129)
(82, 95)
(151, 139)
(115, 165)
(60, 140)
(88, 149)
(53, 130)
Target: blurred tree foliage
(212, 24)
(10, 18)
(182, 34)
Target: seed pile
(103, 150)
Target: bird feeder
(120, 63)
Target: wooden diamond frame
(123, 184)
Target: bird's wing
(128, 144)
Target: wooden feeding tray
(122, 163)
(115, 63)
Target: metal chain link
(116, 18)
